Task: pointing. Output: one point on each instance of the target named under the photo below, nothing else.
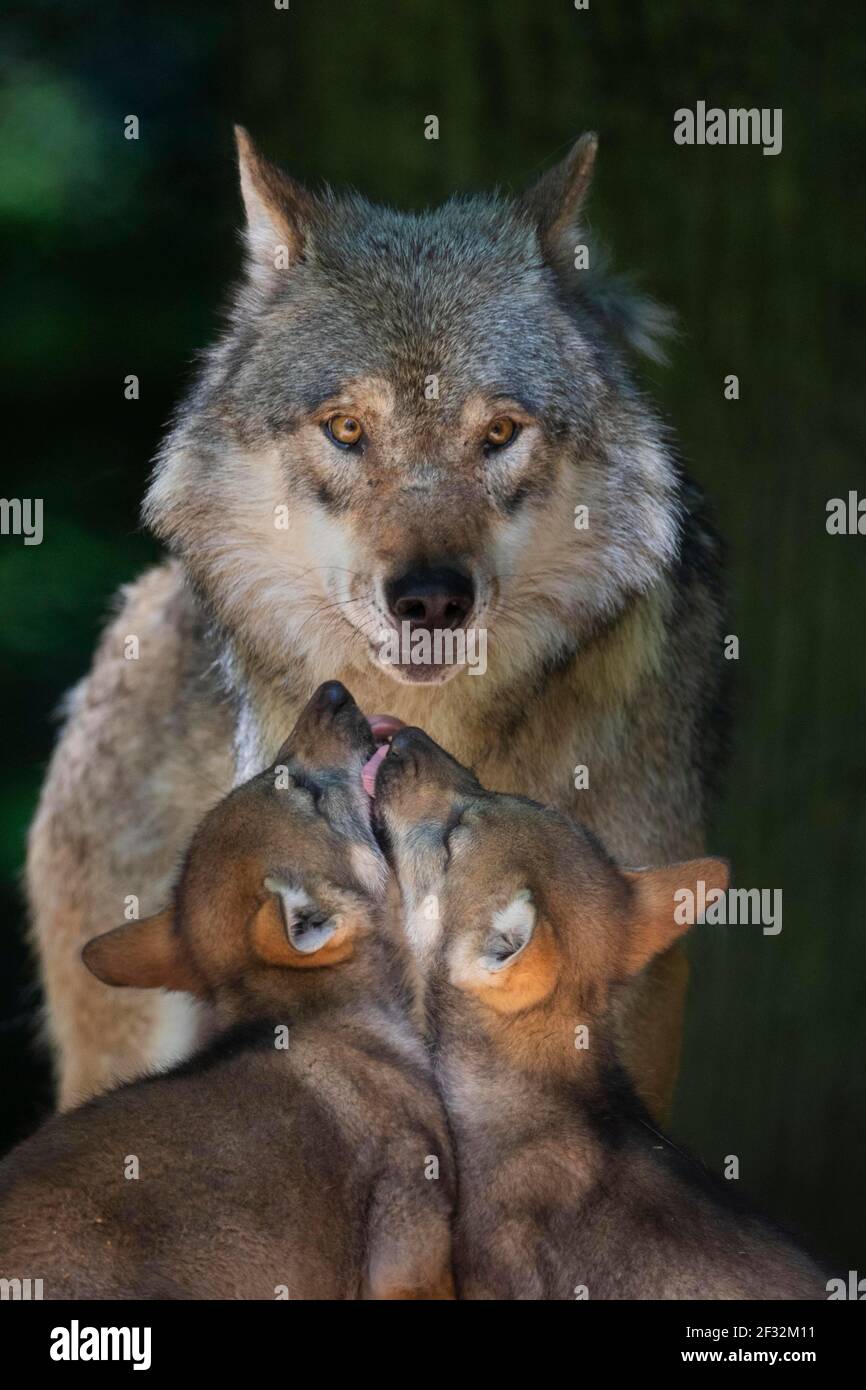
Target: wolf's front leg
(145, 753)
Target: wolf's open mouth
(384, 727)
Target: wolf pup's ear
(278, 210)
(516, 966)
(557, 200)
(666, 903)
(290, 928)
(146, 955)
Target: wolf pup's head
(521, 923)
(282, 883)
(417, 435)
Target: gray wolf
(411, 418)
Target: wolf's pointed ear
(516, 966)
(665, 903)
(278, 209)
(291, 929)
(555, 204)
(557, 199)
(147, 955)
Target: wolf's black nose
(432, 597)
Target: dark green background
(118, 255)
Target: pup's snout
(419, 780)
(331, 697)
(432, 597)
(412, 743)
(330, 729)
(415, 751)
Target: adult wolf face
(394, 436)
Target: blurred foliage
(117, 255)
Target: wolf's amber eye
(500, 432)
(344, 429)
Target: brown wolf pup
(523, 929)
(295, 1156)
(422, 426)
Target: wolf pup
(304, 1153)
(416, 446)
(523, 929)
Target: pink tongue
(371, 767)
(384, 726)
